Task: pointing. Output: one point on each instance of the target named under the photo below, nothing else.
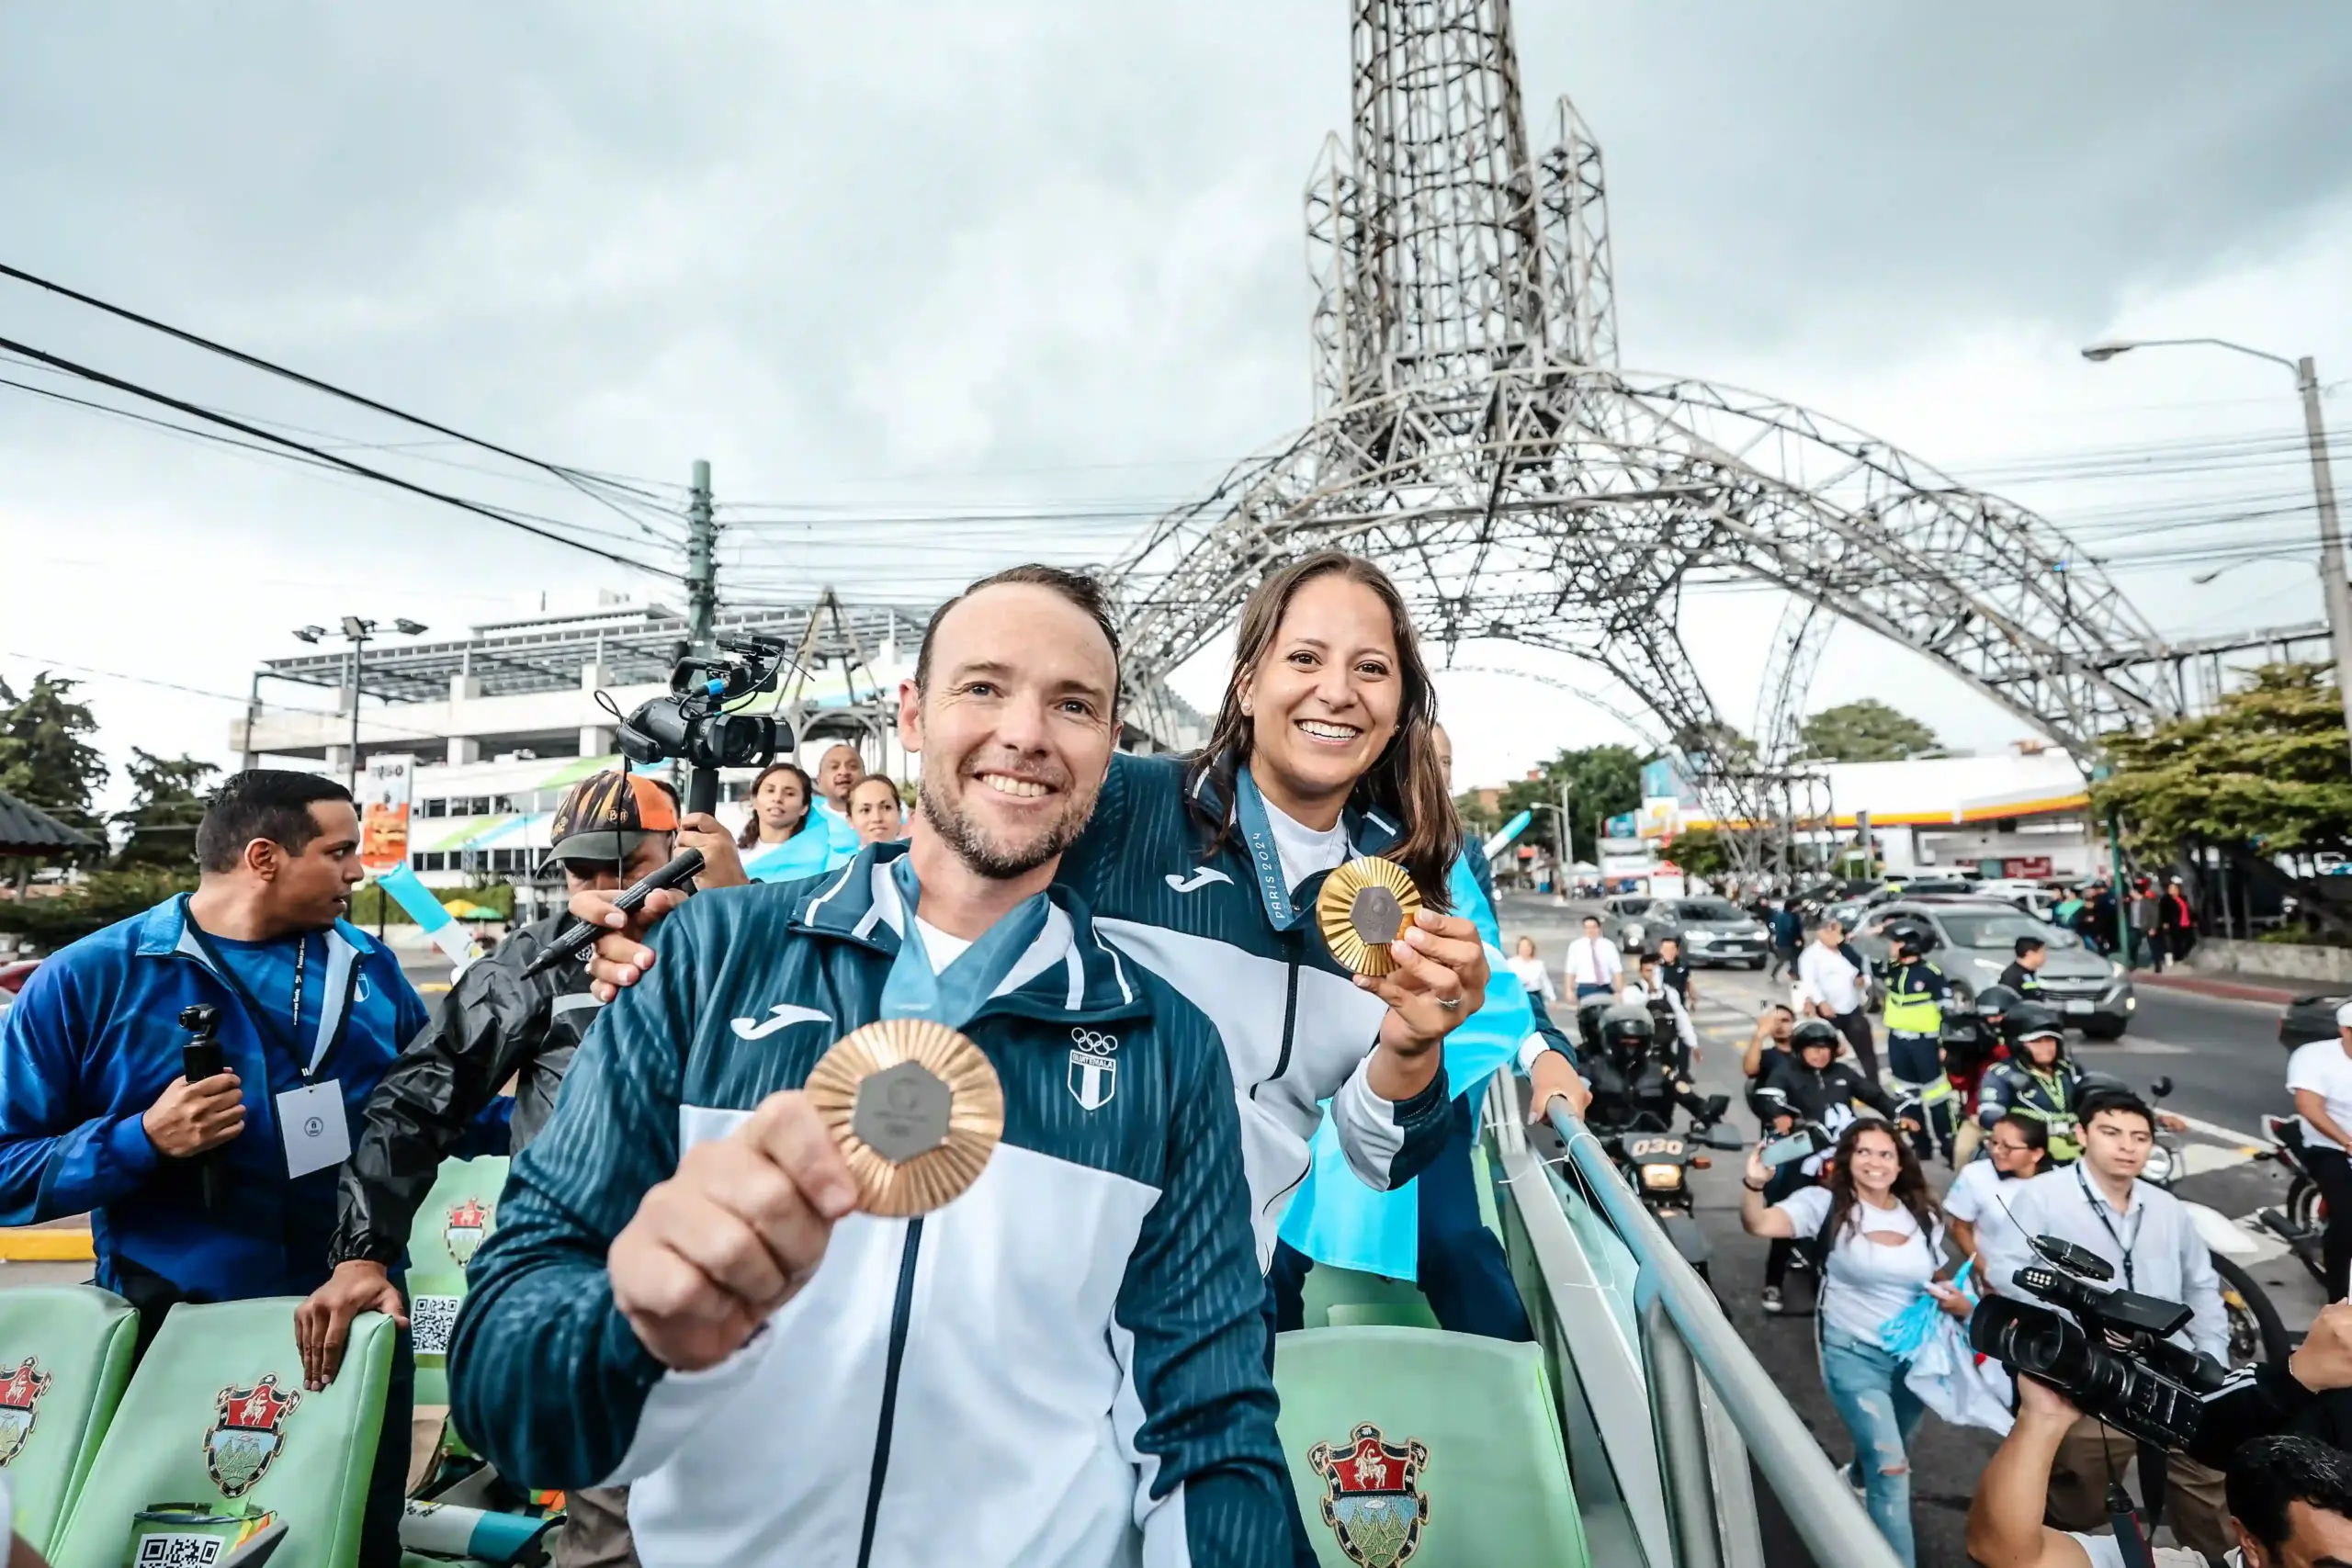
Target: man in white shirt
(1593, 961)
(1832, 986)
(2143, 1231)
(2320, 1077)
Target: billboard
(385, 788)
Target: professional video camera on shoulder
(692, 725)
(2113, 1359)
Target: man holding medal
(222, 1190)
(894, 1217)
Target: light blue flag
(826, 842)
(1334, 1218)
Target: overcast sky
(871, 260)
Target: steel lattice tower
(1473, 433)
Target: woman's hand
(1440, 979)
(1950, 1298)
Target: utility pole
(2331, 539)
(702, 566)
(1568, 846)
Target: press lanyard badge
(313, 1122)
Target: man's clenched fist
(732, 1237)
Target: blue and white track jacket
(1297, 1032)
(1064, 1365)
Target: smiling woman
(1330, 706)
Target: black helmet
(1626, 1033)
(2028, 1021)
(1814, 1032)
(1997, 1001)
(1588, 1014)
(1913, 934)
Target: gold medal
(917, 1109)
(1364, 906)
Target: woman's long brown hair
(751, 833)
(1911, 1189)
(1405, 783)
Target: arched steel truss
(1474, 434)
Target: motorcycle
(1656, 1162)
(2302, 1221)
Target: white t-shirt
(939, 947)
(1829, 980)
(1594, 961)
(2105, 1553)
(1972, 1191)
(2324, 1069)
(1867, 1281)
(1534, 976)
(1303, 849)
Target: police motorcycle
(1636, 1090)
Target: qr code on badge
(430, 1318)
(178, 1551)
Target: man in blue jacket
(95, 1118)
(1061, 1368)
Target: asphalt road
(2227, 1070)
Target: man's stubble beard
(962, 834)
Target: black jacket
(491, 1026)
(1792, 1088)
(2025, 982)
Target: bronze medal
(917, 1109)
(1364, 906)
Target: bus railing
(1711, 1406)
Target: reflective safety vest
(1912, 1007)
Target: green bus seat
(64, 1357)
(460, 1211)
(1381, 1423)
(217, 1415)
(1343, 1298)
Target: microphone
(572, 943)
(201, 1058)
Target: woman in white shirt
(1883, 1239)
(2017, 1150)
(1532, 973)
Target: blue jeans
(1866, 1384)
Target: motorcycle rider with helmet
(1630, 1076)
(1916, 994)
(1810, 1084)
(2039, 1079)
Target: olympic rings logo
(1087, 1040)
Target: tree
(168, 802)
(45, 756)
(2265, 768)
(1713, 741)
(1700, 852)
(1602, 781)
(1866, 731)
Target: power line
(509, 519)
(569, 476)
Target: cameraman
(2100, 1204)
(2289, 1501)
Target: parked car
(1713, 931)
(2307, 1018)
(1976, 939)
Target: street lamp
(2334, 591)
(2203, 578)
(358, 630)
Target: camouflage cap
(603, 817)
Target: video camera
(692, 725)
(2114, 1358)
